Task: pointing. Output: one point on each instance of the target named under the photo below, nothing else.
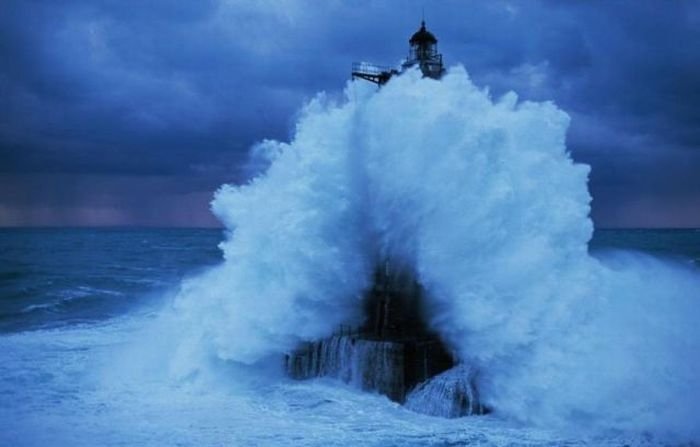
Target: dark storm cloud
(124, 91)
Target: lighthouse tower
(424, 53)
(395, 350)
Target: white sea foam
(482, 199)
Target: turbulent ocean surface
(82, 365)
(174, 337)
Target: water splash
(483, 201)
(450, 394)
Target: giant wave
(481, 198)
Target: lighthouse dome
(422, 36)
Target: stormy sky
(131, 112)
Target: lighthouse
(422, 52)
(394, 351)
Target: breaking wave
(483, 201)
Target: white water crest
(450, 394)
(481, 198)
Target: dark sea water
(54, 277)
(72, 299)
(683, 244)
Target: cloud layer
(136, 101)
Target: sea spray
(482, 200)
(297, 259)
(450, 394)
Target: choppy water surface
(92, 372)
(62, 277)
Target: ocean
(177, 337)
(83, 361)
